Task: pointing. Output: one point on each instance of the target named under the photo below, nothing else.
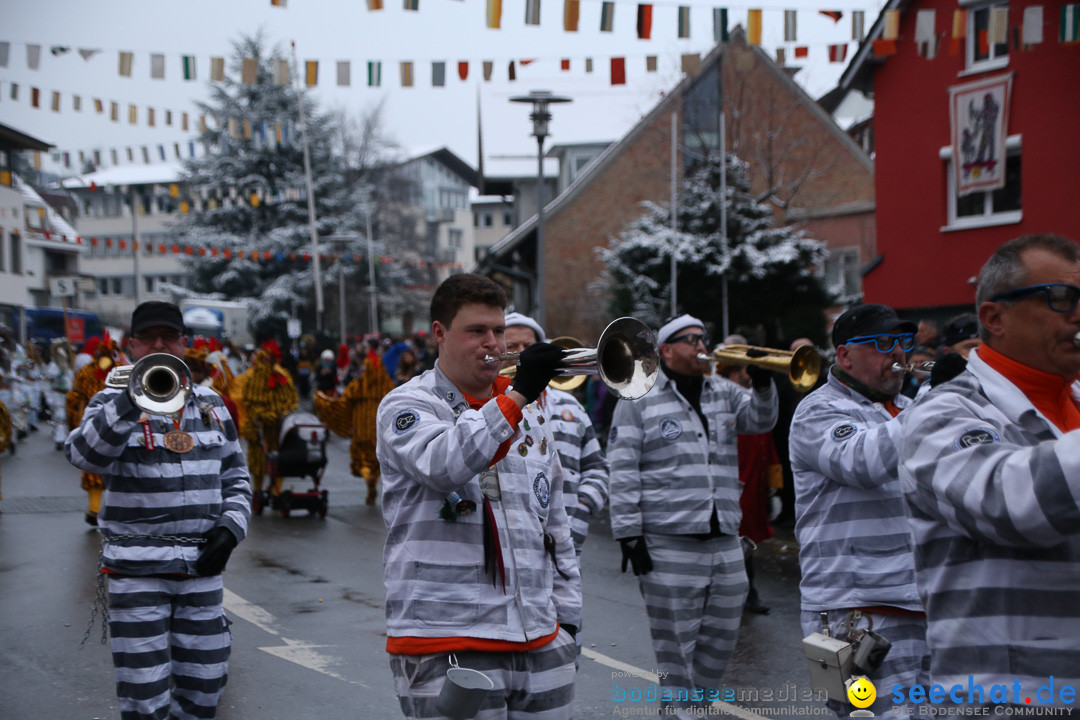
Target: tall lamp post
(341, 278)
(540, 116)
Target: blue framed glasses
(1060, 297)
(885, 343)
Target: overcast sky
(418, 118)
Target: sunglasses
(691, 339)
(885, 343)
(1060, 297)
(149, 338)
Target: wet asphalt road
(305, 596)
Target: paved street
(306, 599)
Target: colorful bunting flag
(858, 25)
(607, 16)
(344, 73)
(884, 48)
(511, 72)
(802, 51)
(1070, 24)
(618, 71)
(720, 25)
(959, 24)
(281, 71)
(187, 66)
(838, 53)
(217, 69)
(405, 69)
(311, 72)
(925, 35)
(891, 27)
(684, 21)
(157, 66)
(413, 5)
(651, 63)
(835, 15)
(781, 57)
(691, 63)
(35, 97)
(76, 103)
(564, 64)
(374, 5)
(150, 118)
(87, 53)
(789, 26)
(438, 73)
(997, 30)
(33, 56)
(489, 68)
(588, 65)
(249, 70)
(5, 52)
(493, 13)
(463, 70)
(99, 106)
(571, 15)
(753, 27)
(644, 21)
(55, 101)
(133, 115)
(532, 12)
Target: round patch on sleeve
(843, 432)
(976, 436)
(405, 420)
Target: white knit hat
(518, 319)
(673, 326)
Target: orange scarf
(1049, 393)
(509, 409)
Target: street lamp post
(341, 279)
(540, 116)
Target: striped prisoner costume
(669, 476)
(439, 598)
(855, 547)
(167, 624)
(993, 489)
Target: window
(981, 209)
(842, 272)
(3, 252)
(454, 236)
(16, 254)
(981, 55)
(508, 218)
(103, 286)
(486, 219)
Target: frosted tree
(774, 291)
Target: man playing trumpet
(675, 507)
(176, 502)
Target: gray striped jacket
(855, 546)
(994, 494)
(153, 496)
(431, 444)
(585, 488)
(666, 475)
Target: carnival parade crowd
(930, 475)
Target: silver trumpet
(626, 359)
(1076, 339)
(159, 384)
(923, 368)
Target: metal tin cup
(463, 692)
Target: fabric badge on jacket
(975, 437)
(843, 432)
(670, 428)
(612, 435)
(405, 420)
(542, 489)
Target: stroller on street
(301, 453)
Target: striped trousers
(170, 646)
(533, 685)
(694, 598)
(907, 662)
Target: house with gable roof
(811, 172)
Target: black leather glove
(570, 629)
(635, 553)
(537, 365)
(759, 376)
(948, 367)
(215, 553)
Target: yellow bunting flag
(753, 27)
(126, 61)
(891, 27)
(493, 13)
(571, 15)
(217, 69)
(311, 72)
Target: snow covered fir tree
(254, 225)
(774, 291)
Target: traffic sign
(63, 286)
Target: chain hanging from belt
(101, 597)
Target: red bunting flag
(618, 71)
(835, 15)
(644, 21)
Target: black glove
(570, 629)
(948, 367)
(537, 365)
(760, 378)
(215, 553)
(635, 552)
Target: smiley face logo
(861, 692)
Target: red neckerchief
(1050, 393)
(497, 388)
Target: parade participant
(352, 415)
(89, 380)
(205, 373)
(675, 505)
(585, 488)
(961, 337)
(268, 396)
(326, 380)
(478, 561)
(990, 471)
(6, 439)
(176, 504)
(855, 547)
(60, 377)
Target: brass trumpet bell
(625, 358)
(802, 366)
(159, 384)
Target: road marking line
(294, 651)
(725, 708)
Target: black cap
(960, 328)
(864, 320)
(155, 313)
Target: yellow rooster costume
(268, 396)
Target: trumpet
(802, 366)
(626, 359)
(565, 383)
(923, 368)
(159, 384)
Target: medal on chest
(176, 439)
